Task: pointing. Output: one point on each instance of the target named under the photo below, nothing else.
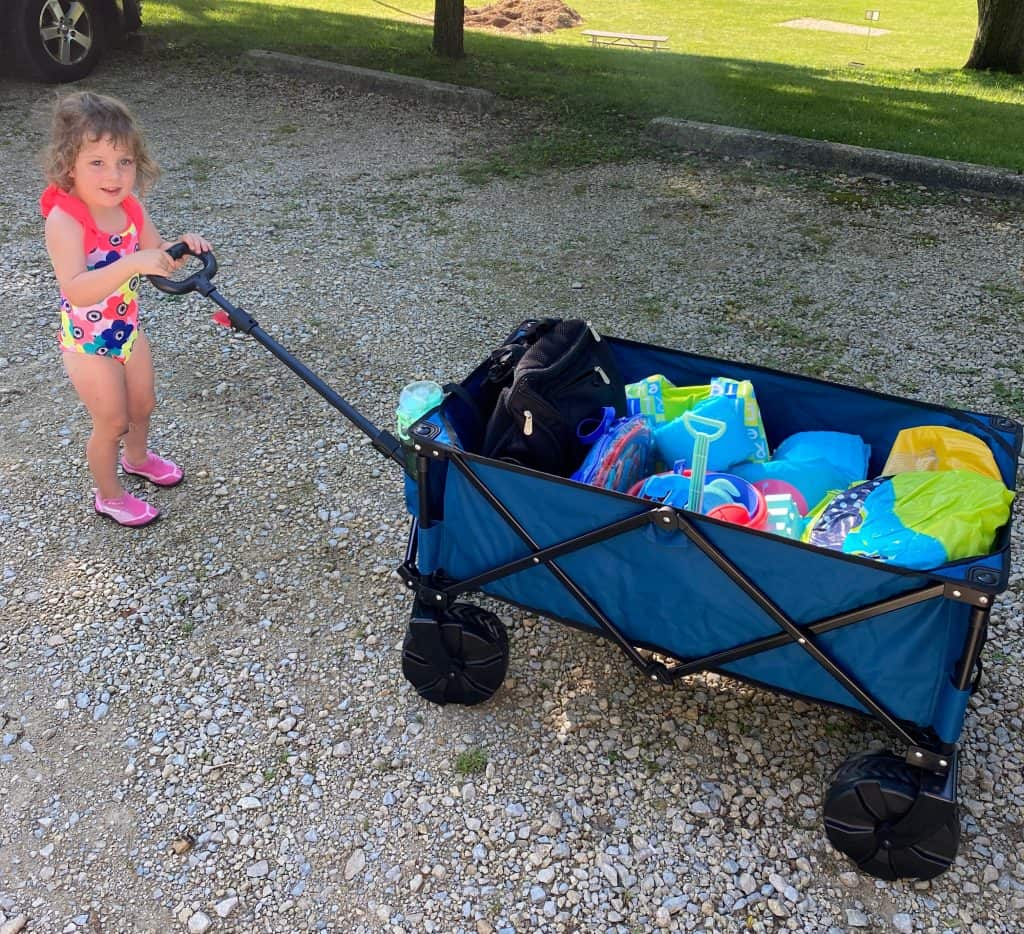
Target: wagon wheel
(459, 658)
(869, 795)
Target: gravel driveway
(205, 723)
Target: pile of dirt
(524, 16)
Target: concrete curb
(834, 157)
(434, 93)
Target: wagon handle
(196, 281)
(239, 319)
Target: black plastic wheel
(476, 643)
(869, 794)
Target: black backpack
(550, 375)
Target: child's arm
(82, 286)
(150, 238)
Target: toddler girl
(101, 242)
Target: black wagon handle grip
(201, 278)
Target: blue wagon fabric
(665, 594)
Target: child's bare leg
(100, 384)
(138, 374)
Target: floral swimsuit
(109, 327)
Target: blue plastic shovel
(701, 442)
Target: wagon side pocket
(950, 712)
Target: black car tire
(57, 40)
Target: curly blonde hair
(86, 117)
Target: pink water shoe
(156, 470)
(127, 510)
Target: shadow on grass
(610, 94)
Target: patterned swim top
(108, 327)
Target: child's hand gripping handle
(198, 281)
(701, 442)
(201, 282)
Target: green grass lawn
(730, 62)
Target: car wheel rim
(66, 30)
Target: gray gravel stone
(199, 923)
(856, 918)
(903, 923)
(355, 864)
(226, 906)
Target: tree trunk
(448, 17)
(999, 44)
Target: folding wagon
(681, 593)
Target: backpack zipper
(588, 377)
(597, 337)
(528, 422)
